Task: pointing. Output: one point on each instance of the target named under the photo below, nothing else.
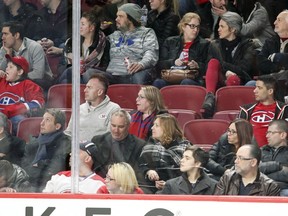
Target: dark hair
(255, 152)
(15, 27)
(59, 116)
(102, 79)
(245, 7)
(6, 170)
(271, 83)
(199, 154)
(244, 131)
(135, 22)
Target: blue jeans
(251, 83)
(160, 83)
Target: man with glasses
(246, 179)
(274, 161)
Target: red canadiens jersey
(15, 97)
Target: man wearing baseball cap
(134, 48)
(19, 96)
(89, 181)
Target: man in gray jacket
(15, 44)
(274, 161)
(134, 48)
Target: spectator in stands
(231, 59)
(273, 58)
(186, 6)
(48, 153)
(121, 179)
(110, 14)
(20, 97)
(163, 19)
(94, 118)
(93, 45)
(210, 15)
(133, 44)
(118, 145)
(14, 44)
(160, 160)
(13, 178)
(89, 181)
(256, 22)
(267, 108)
(17, 10)
(149, 104)
(246, 179)
(193, 180)
(57, 19)
(274, 161)
(188, 49)
(11, 147)
(222, 154)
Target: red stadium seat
(205, 131)
(188, 97)
(230, 98)
(124, 95)
(183, 116)
(60, 96)
(29, 127)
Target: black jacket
(58, 153)
(181, 185)
(164, 24)
(274, 164)
(271, 46)
(222, 156)
(172, 48)
(242, 61)
(131, 148)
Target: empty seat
(230, 98)
(205, 131)
(124, 95)
(60, 96)
(29, 127)
(183, 116)
(188, 97)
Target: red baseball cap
(20, 61)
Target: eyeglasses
(140, 97)
(192, 26)
(242, 158)
(109, 178)
(231, 131)
(273, 132)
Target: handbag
(175, 75)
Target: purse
(175, 75)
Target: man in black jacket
(274, 161)
(47, 154)
(118, 145)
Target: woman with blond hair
(149, 103)
(120, 179)
(160, 160)
(186, 49)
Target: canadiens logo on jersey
(262, 117)
(8, 98)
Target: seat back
(29, 127)
(205, 131)
(124, 95)
(60, 96)
(232, 97)
(183, 116)
(188, 97)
